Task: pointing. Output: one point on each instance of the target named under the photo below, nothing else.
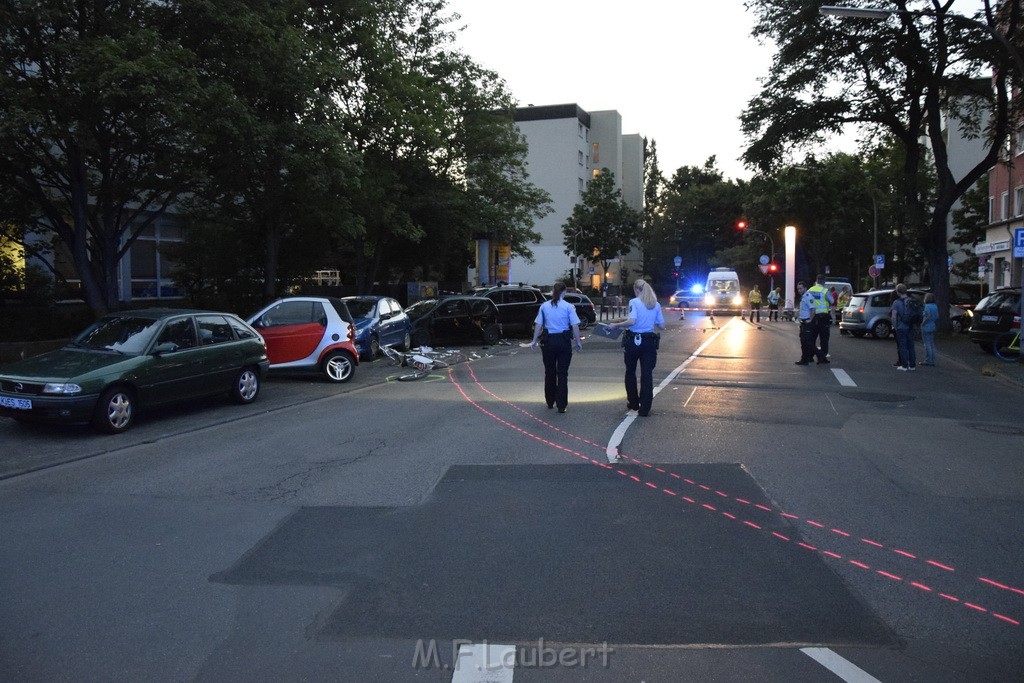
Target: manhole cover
(1006, 430)
(876, 398)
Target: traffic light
(773, 268)
(741, 224)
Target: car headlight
(65, 389)
(709, 300)
(737, 300)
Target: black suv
(995, 314)
(517, 305)
(453, 319)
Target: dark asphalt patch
(567, 553)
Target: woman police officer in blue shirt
(640, 344)
(557, 317)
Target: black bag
(914, 311)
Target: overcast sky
(678, 71)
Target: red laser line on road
(656, 488)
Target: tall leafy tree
(96, 105)
(900, 76)
(278, 167)
(602, 226)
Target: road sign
(873, 271)
(764, 268)
(677, 261)
(764, 260)
(1018, 243)
(949, 263)
(879, 262)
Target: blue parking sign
(880, 261)
(1018, 243)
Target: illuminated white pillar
(790, 233)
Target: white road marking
(846, 670)
(843, 378)
(611, 451)
(484, 663)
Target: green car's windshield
(421, 308)
(123, 334)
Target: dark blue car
(379, 321)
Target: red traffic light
(773, 268)
(741, 225)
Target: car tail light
(1015, 322)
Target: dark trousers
(808, 332)
(755, 309)
(646, 354)
(822, 329)
(557, 354)
(773, 312)
(905, 346)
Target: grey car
(868, 313)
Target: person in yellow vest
(754, 299)
(844, 301)
(821, 301)
(774, 296)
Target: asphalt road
(766, 522)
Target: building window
(1005, 201)
(582, 186)
(1020, 140)
(1018, 201)
(597, 172)
(580, 128)
(580, 153)
(595, 152)
(991, 209)
(151, 269)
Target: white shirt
(557, 318)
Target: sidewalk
(958, 349)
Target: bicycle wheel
(1007, 347)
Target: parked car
(869, 313)
(379, 321)
(584, 308)
(996, 313)
(460, 318)
(517, 306)
(134, 360)
(689, 297)
(308, 333)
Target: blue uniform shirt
(644, 318)
(807, 307)
(557, 318)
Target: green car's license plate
(19, 403)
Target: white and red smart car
(309, 333)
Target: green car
(135, 359)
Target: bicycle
(1007, 346)
(422, 360)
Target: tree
(698, 213)
(900, 76)
(96, 107)
(602, 226)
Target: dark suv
(517, 305)
(996, 313)
(454, 319)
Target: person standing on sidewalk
(559, 319)
(640, 344)
(754, 299)
(904, 330)
(931, 316)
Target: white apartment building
(567, 146)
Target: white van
(723, 291)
